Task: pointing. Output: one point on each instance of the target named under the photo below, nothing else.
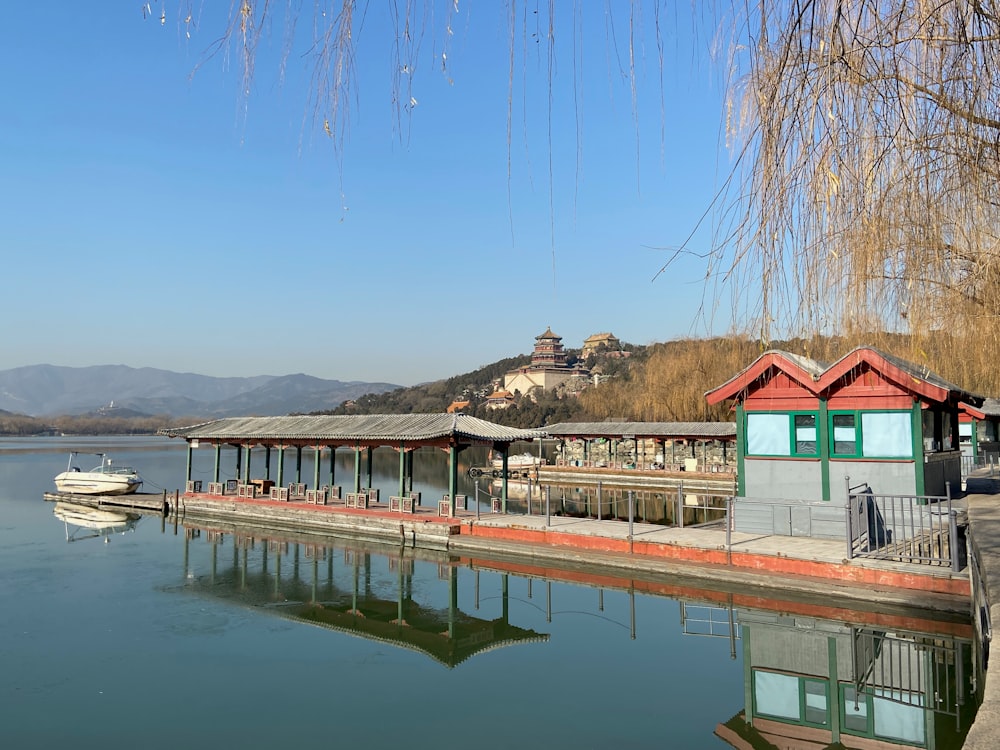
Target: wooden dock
(145, 501)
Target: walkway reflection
(268, 572)
(815, 675)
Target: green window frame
(793, 434)
(882, 714)
(792, 699)
(889, 433)
(845, 439)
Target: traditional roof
(816, 378)
(548, 334)
(665, 430)
(598, 337)
(803, 370)
(386, 429)
(913, 377)
(990, 408)
(457, 406)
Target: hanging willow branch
(865, 193)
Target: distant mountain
(49, 390)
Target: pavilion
(403, 433)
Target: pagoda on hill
(548, 368)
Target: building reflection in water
(815, 676)
(814, 683)
(297, 580)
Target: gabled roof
(801, 369)
(907, 375)
(989, 408)
(819, 379)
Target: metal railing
(971, 464)
(911, 669)
(906, 528)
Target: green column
(267, 462)
(246, 467)
(190, 451)
(823, 429)
(369, 462)
(741, 439)
(917, 422)
(833, 683)
(218, 460)
(452, 475)
(504, 600)
(316, 468)
(975, 438)
(402, 469)
(452, 601)
(298, 463)
(747, 674)
(281, 464)
(333, 465)
(357, 468)
(503, 478)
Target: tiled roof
(390, 428)
(667, 430)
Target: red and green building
(803, 428)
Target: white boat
(105, 479)
(519, 461)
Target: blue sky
(153, 217)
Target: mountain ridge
(48, 390)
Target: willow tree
(867, 198)
(863, 199)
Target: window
(802, 700)
(965, 432)
(805, 434)
(845, 439)
(871, 434)
(886, 434)
(789, 434)
(881, 713)
(767, 435)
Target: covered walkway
(620, 445)
(402, 433)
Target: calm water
(208, 637)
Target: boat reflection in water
(815, 675)
(83, 522)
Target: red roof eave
(906, 381)
(971, 410)
(744, 380)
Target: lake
(162, 636)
